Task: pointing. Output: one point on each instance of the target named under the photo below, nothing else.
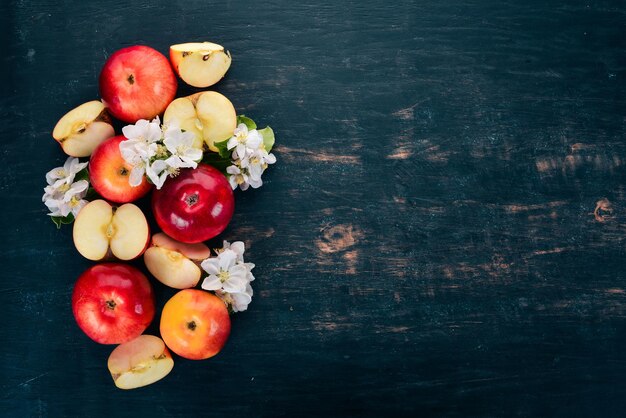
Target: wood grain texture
(443, 234)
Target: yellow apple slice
(82, 129)
(208, 114)
(140, 362)
(198, 251)
(172, 262)
(200, 64)
(102, 231)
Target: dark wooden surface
(443, 234)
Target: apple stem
(191, 199)
(191, 325)
(110, 304)
(131, 79)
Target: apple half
(140, 362)
(208, 114)
(104, 231)
(200, 64)
(82, 129)
(174, 263)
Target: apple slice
(140, 362)
(208, 114)
(82, 129)
(102, 231)
(200, 64)
(173, 263)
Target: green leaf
(268, 138)
(246, 121)
(217, 161)
(222, 149)
(91, 194)
(58, 220)
(82, 175)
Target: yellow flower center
(74, 201)
(223, 276)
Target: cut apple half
(200, 64)
(102, 231)
(208, 114)
(140, 362)
(173, 263)
(82, 129)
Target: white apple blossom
(249, 158)
(63, 195)
(238, 302)
(70, 201)
(225, 273)
(157, 173)
(157, 152)
(238, 247)
(180, 144)
(229, 276)
(144, 130)
(244, 141)
(237, 177)
(65, 175)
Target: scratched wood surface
(443, 234)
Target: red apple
(195, 324)
(113, 303)
(109, 173)
(194, 206)
(137, 83)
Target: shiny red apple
(113, 303)
(194, 206)
(109, 173)
(137, 83)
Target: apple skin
(137, 82)
(195, 206)
(195, 324)
(109, 173)
(113, 303)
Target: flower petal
(136, 176)
(211, 265)
(238, 247)
(227, 259)
(211, 283)
(233, 285)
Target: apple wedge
(82, 129)
(208, 114)
(140, 362)
(102, 231)
(200, 64)
(173, 263)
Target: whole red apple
(109, 173)
(113, 303)
(194, 206)
(137, 83)
(195, 324)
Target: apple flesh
(140, 362)
(195, 206)
(200, 64)
(113, 303)
(195, 324)
(102, 231)
(82, 129)
(109, 173)
(137, 83)
(209, 115)
(173, 263)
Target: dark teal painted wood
(427, 242)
